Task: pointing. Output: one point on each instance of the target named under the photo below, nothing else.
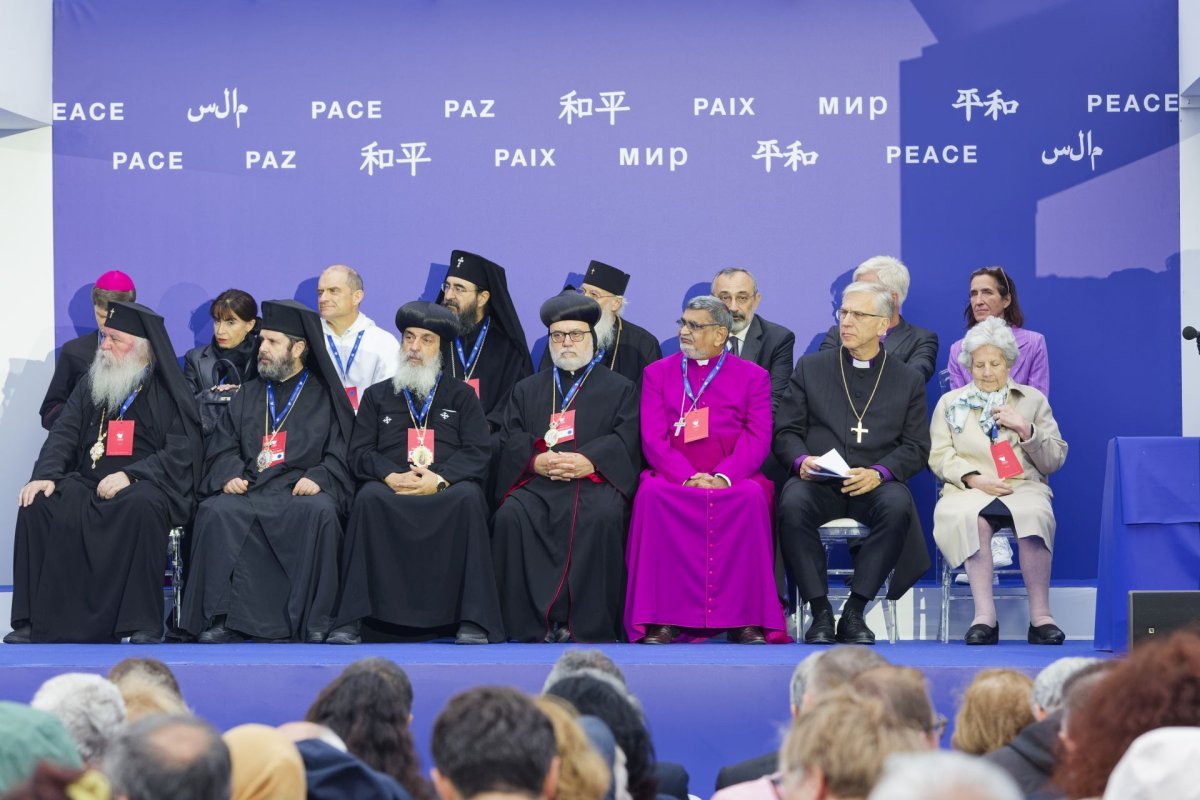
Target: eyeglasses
(695, 326)
(592, 293)
(855, 316)
(454, 288)
(558, 337)
(741, 299)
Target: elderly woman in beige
(989, 426)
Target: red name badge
(1007, 465)
(273, 448)
(474, 384)
(352, 393)
(120, 438)
(415, 442)
(695, 425)
(564, 424)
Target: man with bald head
(363, 353)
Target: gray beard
(572, 363)
(689, 351)
(419, 379)
(276, 369)
(606, 331)
(112, 381)
(740, 325)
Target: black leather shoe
(983, 634)
(1046, 634)
(344, 634)
(145, 637)
(21, 635)
(660, 634)
(470, 633)
(219, 634)
(852, 629)
(751, 634)
(558, 634)
(821, 631)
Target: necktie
(733, 345)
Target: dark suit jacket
(914, 346)
(772, 347)
(749, 770)
(672, 780)
(74, 360)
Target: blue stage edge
(708, 704)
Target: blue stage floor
(708, 704)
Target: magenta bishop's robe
(702, 559)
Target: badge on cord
(1007, 465)
(273, 448)
(695, 425)
(474, 384)
(352, 393)
(563, 426)
(420, 451)
(120, 438)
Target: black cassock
(559, 546)
(91, 570)
(420, 561)
(635, 347)
(499, 365)
(266, 559)
(814, 417)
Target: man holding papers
(866, 414)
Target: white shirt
(376, 359)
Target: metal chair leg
(175, 550)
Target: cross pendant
(858, 432)
(679, 425)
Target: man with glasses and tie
(700, 549)
(870, 408)
(753, 338)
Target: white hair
(1048, 686)
(992, 331)
(418, 379)
(113, 378)
(890, 271)
(88, 705)
(943, 775)
(800, 678)
(885, 306)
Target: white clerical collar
(860, 364)
(702, 362)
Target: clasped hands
(303, 488)
(861, 480)
(417, 481)
(704, 480)
(563, 466)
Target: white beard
(606, 331)
(575, 362)
(112, 380)
(417, 378)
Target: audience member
(582, 773)
(168, 758)
(151, 668)
(1162, 763)
(942, 776)
(837, 667)
(994, 710)
(49, 782)
(266, 764)
(28, 736)
(148, 687)
(575, 661)
(89, 706)
(903, 692)
(331, 772)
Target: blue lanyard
(128, 401)
(277, 420)
(469, 366)
(338, 358)
(419, 419)
(569, 395)
(687, 387)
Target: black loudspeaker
(1154, 615)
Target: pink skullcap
(115, 281)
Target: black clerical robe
(814, 417)
(73, 363)
(634, 348)
(559, 546)
(424, 561)
(91, 570)
(500, 364)
(266, 559)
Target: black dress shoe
(821, 631)
(852, 629)
(219, 634)
(750, 634)
(660, 634)
(20, 635)
(1046, 634)
(470, 633)
(345, 634)
(983, 634)
(145, 637)
(316, 637)
(558, 634)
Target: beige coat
(953, 455)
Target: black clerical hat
(489, 276)
(430, 316)
(282, 316)
(470, 267)
(127, 318)
(610, 279)
(570, 306)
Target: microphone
(1191, 333)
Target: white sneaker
(962, 580)
(1002, 554)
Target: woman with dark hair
(370, 707)
(218, 369)
(994, 294)
(594, 697)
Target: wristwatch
(443, 485)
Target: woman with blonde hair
(994, 709)
(582, 774)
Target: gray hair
(615, 682)
(353, 279)
(943, 775)
(885, 306)
(89, 706)
(890, 271)
(1048, 686)
(992, 331)
(717, 311)
(578, 661)
(800, 677)
(731, 271)
(840, 665)
(169, 758)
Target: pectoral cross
(387, 420)
(858, 432)
(679, 425)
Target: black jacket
(209, 366)
(1030, 758)
(772, 347)
(73, 363)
